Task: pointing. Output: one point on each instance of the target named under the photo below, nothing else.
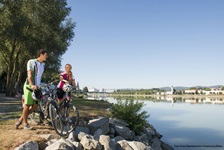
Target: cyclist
(35, 69)
(66, 79)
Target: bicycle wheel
(69, 117)
(55, 119)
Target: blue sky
(147, 43)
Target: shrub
(130, 111)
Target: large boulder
(101, 123)
(124, 131)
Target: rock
(117, 139)
(137, 145)
(89, 143)
(111, 131)
(156, 144)
(116, 121)
(82, 134)
(149, 131)
(77, 145)
(97, 134)
(73, 136)
(124, 145)
(30, 145)
(61, 144)
(124, 131)
(166, 146)
(101, 123)
(106, 142)
(82, 138)
(142, 138)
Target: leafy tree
(129, 111)
(27, 25)
(207, 89)
(85, 89)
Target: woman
(66, 77)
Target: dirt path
(10, 110)
(9, 105)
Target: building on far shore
(190, 91)
(95, 90)
(213, 91)
(171, 92)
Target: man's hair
(41, 51)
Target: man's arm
(29, 77)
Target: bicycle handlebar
(48, 84)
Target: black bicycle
(64, 116)
(42, 112)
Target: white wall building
(93, 90)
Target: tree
(27, 25)
(207, 89)
(85, 89)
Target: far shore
(171, 96)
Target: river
(187, 124)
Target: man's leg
(32, 108)
(25, 114)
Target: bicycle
(42, 112)
(64, 116)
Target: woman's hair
(41, 51)
(70, 66)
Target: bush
(129, 111)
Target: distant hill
(175, 87)
(185, 88)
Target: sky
(147, 43)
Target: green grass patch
(92, 107)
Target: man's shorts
(28, 100)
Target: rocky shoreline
(102, 134)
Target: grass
(92, 107)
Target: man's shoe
(18, 124)
(27, 127)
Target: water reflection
(172, 99)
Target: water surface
(185, 125)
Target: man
(35, 69)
